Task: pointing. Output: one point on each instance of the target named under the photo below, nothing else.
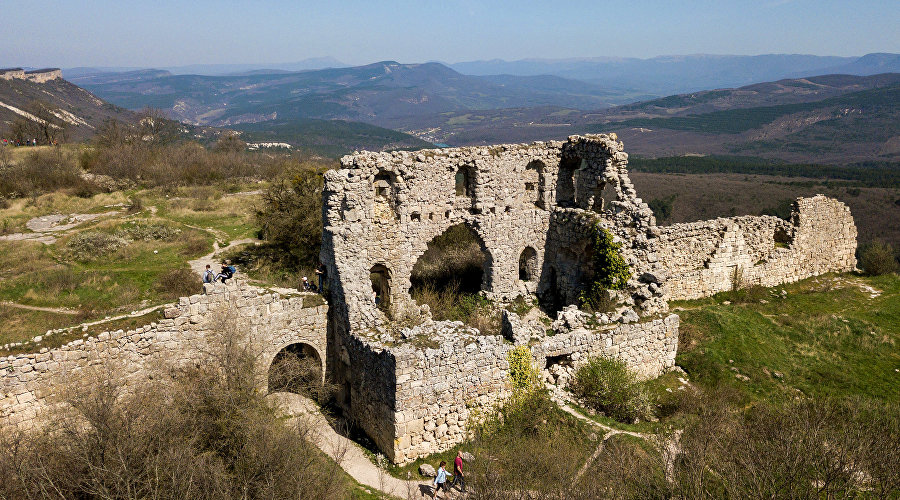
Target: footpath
(344, 451)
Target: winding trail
(198, 265)
(344, 451)
(57, 310)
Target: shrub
(42, 172)
(877, 258)
(607, 385)
(148, 231)
(291, 216)
(522, 373)
(90, 245)
(178, 283)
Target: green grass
(825, 336)
(41, 275)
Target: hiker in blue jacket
(227, 272)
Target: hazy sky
(169, 33)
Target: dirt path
(345, 452)
(198, 265)
(57, 310)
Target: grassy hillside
(833, 335)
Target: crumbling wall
(708, 257)
(32, 383)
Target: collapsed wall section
(34, 383)
(707, 257)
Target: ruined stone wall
(32, 383)
(648, 348)
(440, 388)
(706, 257)
(384, 209)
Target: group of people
(440, 480)
(225, 274)
(306, 286)
(24, 142)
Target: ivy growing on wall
(611, 272)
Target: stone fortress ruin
(413, 383)
(535, 209)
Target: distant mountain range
(82, 113)
(667, 75)
(217, 69)
(838, 118)
(378, 94)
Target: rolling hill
(832, 118)
(677, 74)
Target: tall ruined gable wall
(708, 257)
(384, 208)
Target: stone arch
(380, 278)
(528, 265)
(296, 367)
(422, 271)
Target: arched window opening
(528, 265)
(452, 268)
(565, 181)
(534, 180)
(465, 182)
(297, 368)
(380, 276)
(385, 197)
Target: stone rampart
(707, 257)
(34, 382)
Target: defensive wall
(707, 257)
(31, 384)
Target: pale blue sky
(169, 33)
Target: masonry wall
(704, 258)
(31, 384)
(648, 348)
(440, 389)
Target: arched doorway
(528, 265)
(297, 368)
(380, 276)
